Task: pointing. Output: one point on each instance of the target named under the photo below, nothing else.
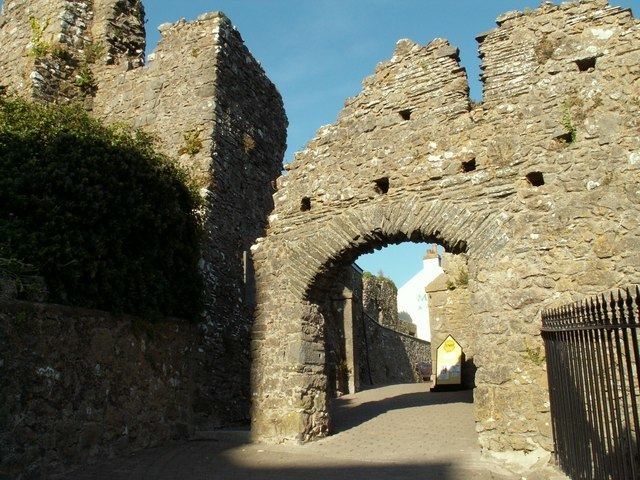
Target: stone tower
(209, 104)
(54, 50)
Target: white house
(412, 297)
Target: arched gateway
(539, 185)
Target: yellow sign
(449, 345)
(449, 363)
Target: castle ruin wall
(211, 106)
(538, 185)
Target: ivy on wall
(106, 220)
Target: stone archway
(539, 184)
(338, 242)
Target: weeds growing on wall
(39, 46)
(85, 79)
(461, 279)
(192, 143)
(105, 219)
(93, 51)
(567, 123)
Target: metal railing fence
(593, 363)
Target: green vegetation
(461, 279)
(388, 281)
(85, 79)
(249, 143)
(192, 143)
(62, 53)
(22, 275)
(93, 51)
(544, 50)
(568, 125)
(14, 269)
(535, 355)
(380, 277)
(105, 219)
(39, 47)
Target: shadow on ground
(229, 455)
(221, 460)
(345, 415)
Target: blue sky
(317, 52)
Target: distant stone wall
(449, 312)
(393, 357)
(360, 350)
(406, 328)
(380, 300)
(80, 384)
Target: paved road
(396, 432)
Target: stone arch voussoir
(290, 403)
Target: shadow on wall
(390, 359)
(469, 373)
(358, 350)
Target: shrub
(85, 79)
(93, 51)
(567, 123)
(105, 219)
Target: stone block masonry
(78, 385)
(539, 185)
(449, 312)
(391, 356)
(211, 106)
(380, 300)
(52, 49)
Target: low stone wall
(77, 385)
(392, 356)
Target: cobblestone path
(395, 432)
